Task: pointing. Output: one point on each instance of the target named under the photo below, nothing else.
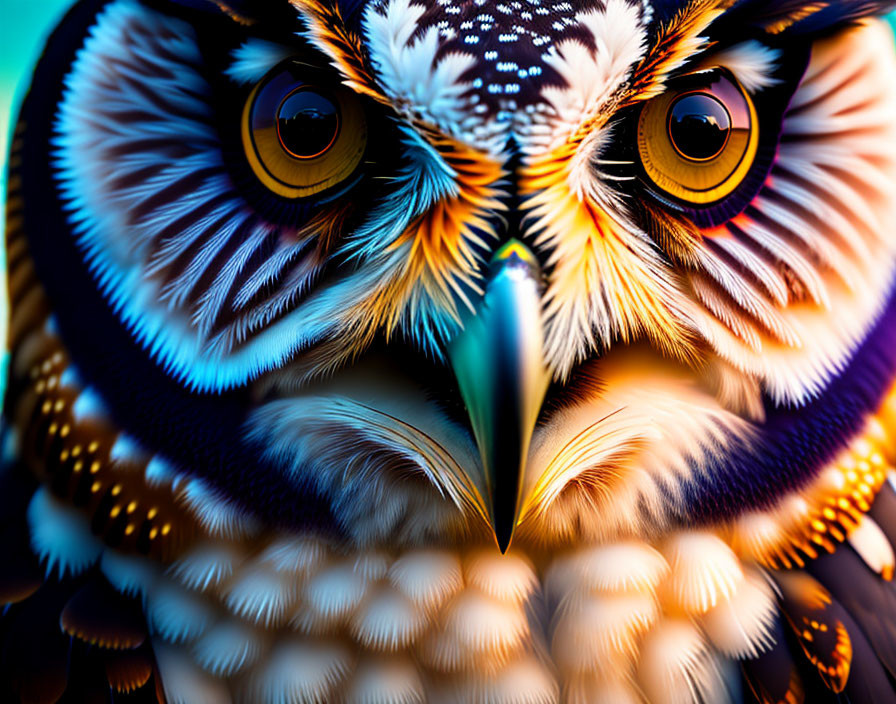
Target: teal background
(24, 25)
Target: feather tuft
(299, 671)
(60, 536)
(426, 577)
(385, 680)
(509, 577)
(742, 627)
(228, 647)
(705, 571)
(388, 621)
(677, 667)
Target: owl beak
(500, 369)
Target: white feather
(873, 547)
(705, 571)
(183, 682)
(596, 689)
(372, 565)
(407, 67)
(330, 596)
(388, 620)
(509, 577)
(677, 667)
(741, 627)
(427, 577)
(227, 648)
(299, 672)
(260, 595)
(385, 680)
(296, 555)
(614, 567)
(600, 633)
(521, 681)
(752, 63)
(481, 624)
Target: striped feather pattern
(138, 149)
(793, 284)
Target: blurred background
(23, 30)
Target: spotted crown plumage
(458, 351)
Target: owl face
(425, 273)
(393, 351)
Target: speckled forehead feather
(510, 41)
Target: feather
(205, 566)
(60, 535)
(372, 565)
(820, 627)
(772, 676)
(221, 518)
(869, 541)
(129, 574)
(594, 689)
(831, 640)
(299, 556)
(99, 615)
(261, 596)
(521, 681)
(883, 511)
(252, 59)
(480, 624)
(89, 404)
(508, 577)
(867, 598)
(387, 620)
(704, 571)
(175, 614)
(228, 647)
(385, 679)
(330, 596)
(752, 63)
(677, 667)
(183, 683)
(742, 626)
(129, 670)
(299, 671)
(158, 471)
(622, 566)
(428, 578)
(601, 633)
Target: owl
(476, 351)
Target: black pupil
(307, 123)
(699, 126)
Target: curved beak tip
(499, 365)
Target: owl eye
(697, 143)
(302, 137)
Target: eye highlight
(697, 143)
(300, 137)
